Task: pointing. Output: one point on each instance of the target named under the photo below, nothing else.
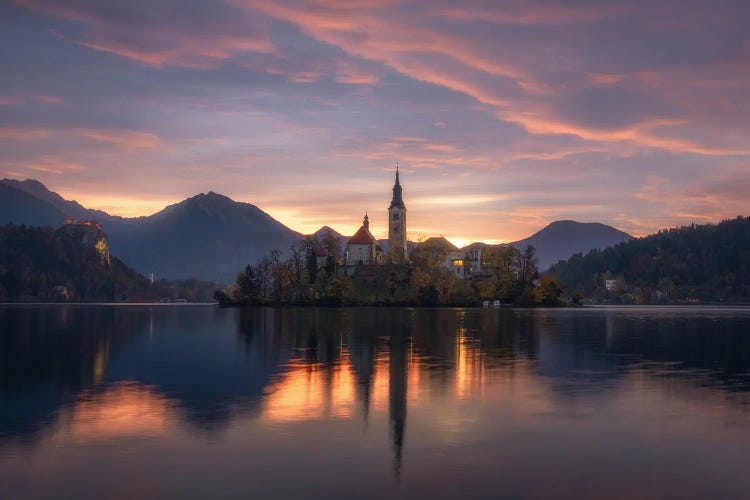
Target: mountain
(212, 237)
(208, 236)
(69, 208)
(326, 230)
(561, 239)
(23, 208)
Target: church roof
(362, 237)
(439, 243)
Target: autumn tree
(547, 292)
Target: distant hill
(69, 208)
(323, 232)
(23, 208)
(708, 262)
(561, 239)
(208, 236)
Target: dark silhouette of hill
(323, 233)
(69, 263)
(208, 236)
(68, 207)
(325, 230)
(20, 207)
(707, 262)
(561, 239)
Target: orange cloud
(377, 36)
(124, 139)
(640, 134)
(53, 165)
(605, 78)
(349, 73)
(23, 134)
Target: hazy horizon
(378, 232)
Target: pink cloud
(23, 134)
(156, 43)
(124, 139)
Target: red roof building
(362, 248)
(362, 237)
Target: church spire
(366, 221)
(397, 200)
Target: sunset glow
(504, 116)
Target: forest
(696, 263)
(72, 264)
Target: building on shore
(443, 254)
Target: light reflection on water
(180, 401)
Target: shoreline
(745, 307)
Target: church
(363, 248)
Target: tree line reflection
(110, 371)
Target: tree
(548, 291)
(527, 266)
(504, 262)
(338, 290)
(311, 259)
(332, 247)
(249, 285)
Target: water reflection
(122, 410)
(430, 391)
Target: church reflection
(105, 373)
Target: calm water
(138, 401)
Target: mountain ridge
(560, 239)
(207, 236)
(210, 236)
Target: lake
(185, 401)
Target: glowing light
(128, 409)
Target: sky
(503, 115)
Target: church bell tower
(397, 251)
